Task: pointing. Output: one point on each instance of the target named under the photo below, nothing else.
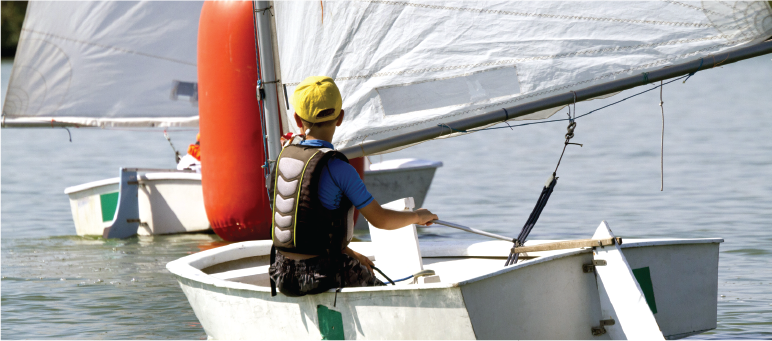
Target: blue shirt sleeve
(340, 178)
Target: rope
(507, 118)
(662, 143)
(387, 277)
(404, 279)
(582, 115)
(546, 192)
(262, 10)
(366, 156)
(531, 222)
(692, 74)
(453, 129)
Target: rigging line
(662, 143)
(721, 62)
(629, 97)
(443, 125)
(692, 74)
(262, 10)
(363, 150)
(505, 120)
(577, 117)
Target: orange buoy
(232, 152)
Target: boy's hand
(425, 216)
(359, 257)
(365, 261)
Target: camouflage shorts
(319, 274)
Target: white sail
(106, 64)
(404, 66)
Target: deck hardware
(600, 330)
(133, 221)
(587, 268)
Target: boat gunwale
(159, 176)
(183, 268)
(405, 169)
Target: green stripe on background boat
(109, 204)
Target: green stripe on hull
(643, 276)
(109, 204)
(330, 323)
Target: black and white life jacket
(300, 223)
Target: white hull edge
(546, 297)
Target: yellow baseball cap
(315, 94)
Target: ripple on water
(111, 289)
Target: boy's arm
(392, 220)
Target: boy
(315, 192)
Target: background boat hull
(168, 203)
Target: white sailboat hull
(546, 297)
(168, 203)
(174, 202)
(400, 178)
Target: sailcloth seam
(442, 78)
(513, 62)
(701, 9)
(538, 15)
(114, 48)
(546, 91)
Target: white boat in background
(168, 202)
(172, 201)
(399, 178)
(547, 295)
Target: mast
(268, 81)
(501, 115)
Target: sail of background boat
(109, 64)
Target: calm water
(718, 166)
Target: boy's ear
(340, 118)
(298, 121)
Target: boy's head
(317, 101)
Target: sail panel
(405, 66)
(106, 63)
